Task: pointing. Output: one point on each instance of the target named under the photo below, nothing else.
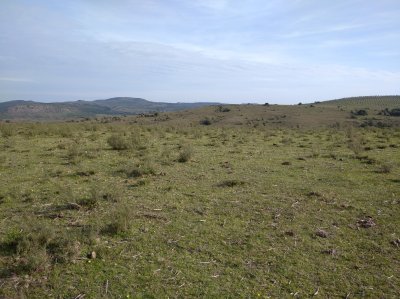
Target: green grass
(238, 219)
(376, 103)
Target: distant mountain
(30, 110)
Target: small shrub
(92, 200)
(117, 142)
(136, 141)
(121, 221)
(166, 155)
(7, 130)
(230, 183)
(36, 246)
(112, 194)
(88, 202)
(205, 122)
(74, 153)
(355, 142)
(139, 169)
(65, 132)
(185, 154)
(222, 109)
(393, 112)
(385, 168)
(85, 172)
(360, 112)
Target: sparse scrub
(385, 168)
(7, 130)
(355, 142)
(92, 200)
(222, 109)
(36, 246)
(117, 142)
(234, 220)
(139, 169)
(230, 183)
(206, 121)
(185, 154)
(360, 112)
(74, 153)
(65, 132)
(120, 221)
(166, 155)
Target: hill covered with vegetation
(239, 201)
(29, 110)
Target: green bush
(206, 121)
(117, 142)
(120, 221)
(185, 154)
(36, 246)
(92, 200)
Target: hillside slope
(367, 102)
(324, 114)
(29, 110)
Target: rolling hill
(320, 114)
(29, 110)
(366, 102)
(325, 113)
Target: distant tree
(206, 121)
(360, 112)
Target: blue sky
(234, 51)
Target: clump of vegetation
(385, 168)
(120, 221)
(112, 194)
(185, 154)
(391, 112)
(206, 122)
(117, 142)
(222, 109)
(36, 246)
(139, 169)
(7, 130)
(89, 202)
(74, 152)
(360, 112)
(355, 141)
(231, 183)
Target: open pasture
(129, 210)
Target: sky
(233, 51)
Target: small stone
(92, 255)
(396, 242)
(366, 223)
(321, 233)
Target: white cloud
(213, 4)
(13, 79)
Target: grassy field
(164, 207)
(374, 103)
